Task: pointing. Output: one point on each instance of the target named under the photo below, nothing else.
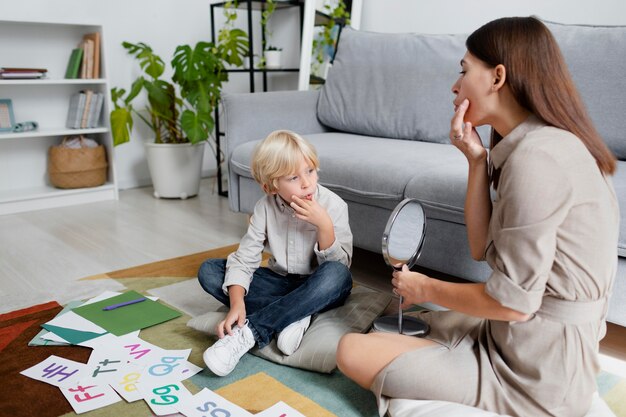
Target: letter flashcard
(163, 399)
(104, 365)
(85, 398)
(125, 383)
(207, 403)
(56, 371)
(170, 365)
(138, 350)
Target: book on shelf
(95, 54)
(73, 66)
(86, 70)
(22, 73)
(85, 116)
(84, 110)
(75, 110)
(95, 110)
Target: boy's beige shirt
(292, 242)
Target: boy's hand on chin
(310, 211)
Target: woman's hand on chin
(465, 137)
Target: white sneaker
(290, 338)
(224, 355)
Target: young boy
(305, 228)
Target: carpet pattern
(255, 384)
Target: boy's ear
(266, 189)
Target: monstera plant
(180, 110)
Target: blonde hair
(278, 155)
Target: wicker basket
(77, 168)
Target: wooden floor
(44, 254)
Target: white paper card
(138, 350)
(56, 371)
(126, 382)
(105, 363)
(207, 403)
(85, 398)
(71, 320)
(162, 399)
(106, 339)
(280, 409)
(170, 366)
(54, 337)
(110, 294)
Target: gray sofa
(380, 125)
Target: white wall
(164, 24)
(464, 16)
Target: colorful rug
(255, 384)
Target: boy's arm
(334, 238)
(340, 249)
(241, 264)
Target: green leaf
(233, 45)
(121, 125)
(135, 89)
(197, 125)
(150, 63)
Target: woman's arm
(477, 208)
(477, 199)
(470, 299)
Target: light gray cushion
(595, 56)
(392, 85)
(370, 170)
(619, 182)
(318, 350)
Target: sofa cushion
(595, 56)
(619, 182)
(441, 189)
(370, 170)
(318, 350)
(392, 85)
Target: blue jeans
(274, 301)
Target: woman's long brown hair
(539, 80)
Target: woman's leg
(362, 356)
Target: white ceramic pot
(272, 59)
(175, 168)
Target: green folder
(73, 66)
(129, 318)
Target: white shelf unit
(24, 183)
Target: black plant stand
(250, 6)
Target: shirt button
(291, 242)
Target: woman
(524, 343)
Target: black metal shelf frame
(250, 6)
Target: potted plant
(324, 44)
(272, 55)
(180, 111)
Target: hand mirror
(402, 243)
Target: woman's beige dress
(553, 250)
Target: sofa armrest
(252, 116)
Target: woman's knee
(211, 274)
(347, 351)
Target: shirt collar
(507, 145)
